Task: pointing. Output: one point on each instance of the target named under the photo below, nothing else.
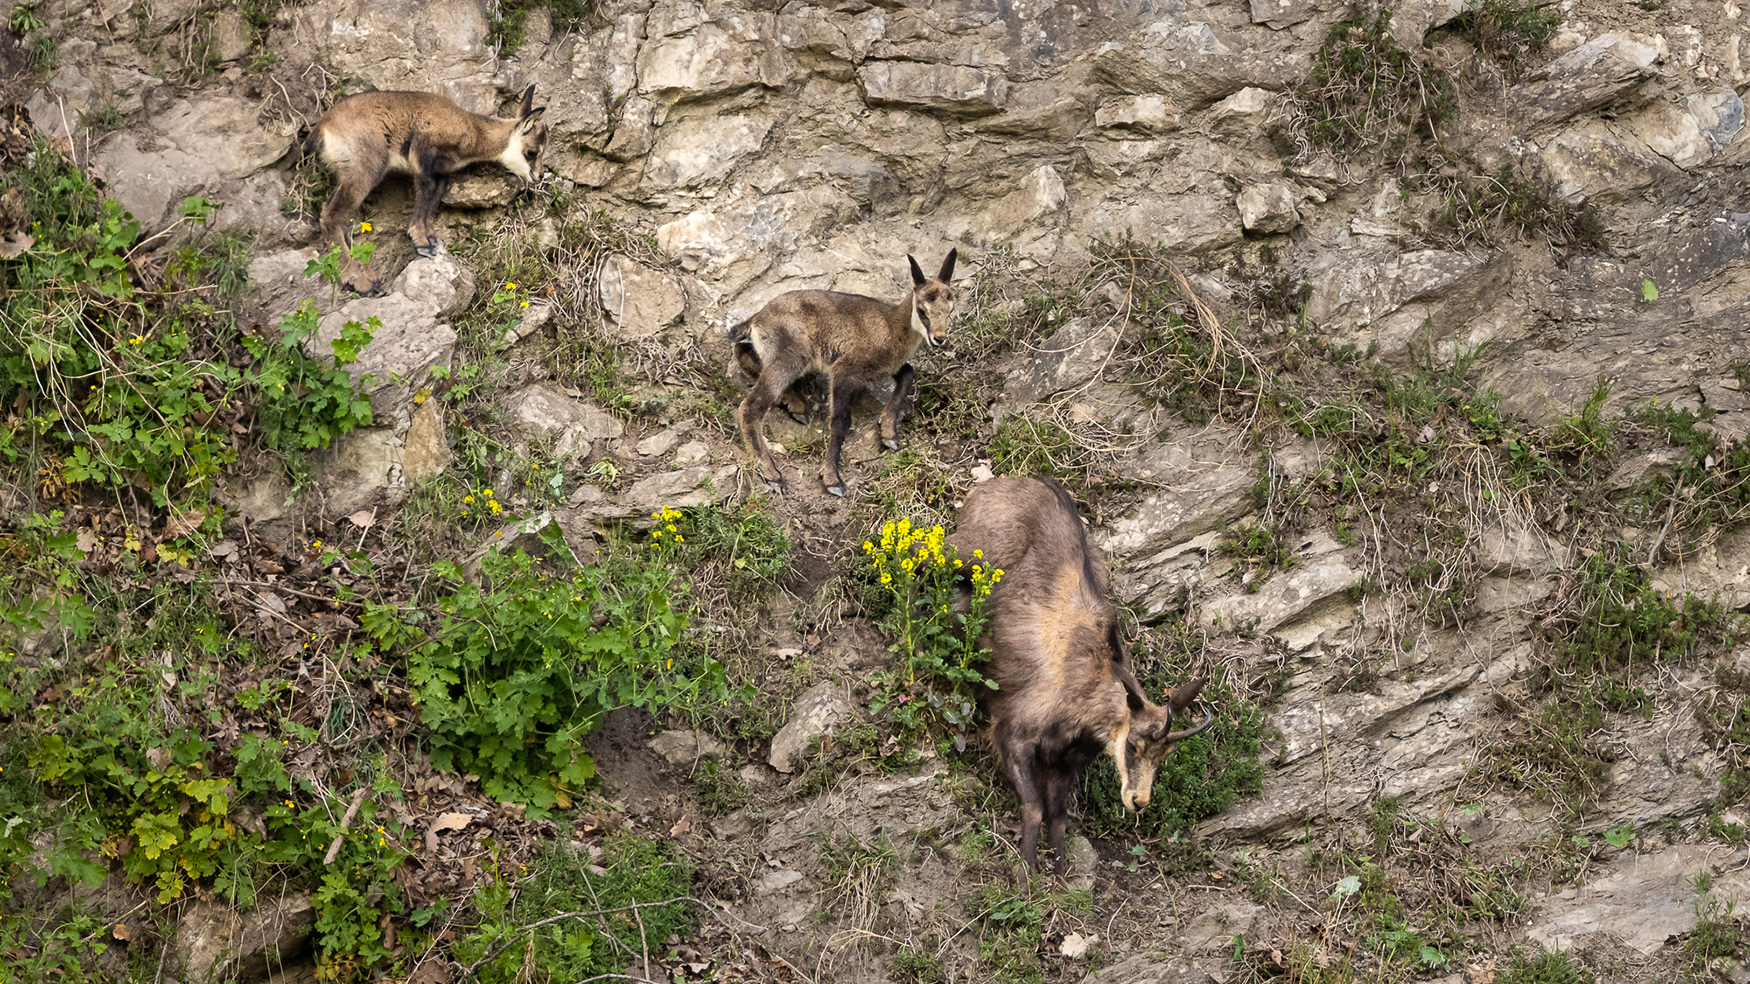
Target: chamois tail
(310, 147)
(746, 357)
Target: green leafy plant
(933, 637)
(525, 663)
(305, 403)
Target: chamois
(1066, 692)
(852, 339)
(364, 137)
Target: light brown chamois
(1066, 692)
(364, 137)
(854, 340)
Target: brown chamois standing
(1066, 692)
(853, 340)
(364, 137)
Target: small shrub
(1365, 92)
(509, 26)
(1508, 30)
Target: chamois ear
(1185, 693)
(528, 101)
(947, 273)
(917, 272)
(529, 121)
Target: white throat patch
(917, 322)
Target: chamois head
(933, 299)
(522, 151)
(1152, 739)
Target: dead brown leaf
(448, 821)
(183, 523)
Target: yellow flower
(364, 227)
(887, 579)
(679, 539)
(510, 286)
(868, 547)
(979, 554)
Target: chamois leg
(1057, 817)
(1032, 809)
(841, 394)
(428, 194)
(336, 218)
(774, 379)
(904, 384)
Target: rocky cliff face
(763, 149)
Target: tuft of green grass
(1545, 967)
(626, 906)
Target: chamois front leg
(842, 393)
(904, 384)
(1057, 817)
(1032, 807)
(429, 188)
(336, 218)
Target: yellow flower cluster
(905, 552)
(492, 505)
(665, 530)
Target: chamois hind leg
(429, 188)
(841, 393)
(904, 384)
(775, 377)
(336, 218)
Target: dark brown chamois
(1066, 692)
(364, 137)
(854, 340)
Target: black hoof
(429, 249)
(838, 490)
(890, 444)
(800, 418)
(779, 487)
(372, 291)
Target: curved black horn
(1178, 736)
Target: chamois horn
(1174, 737)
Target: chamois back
(1066, 693)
